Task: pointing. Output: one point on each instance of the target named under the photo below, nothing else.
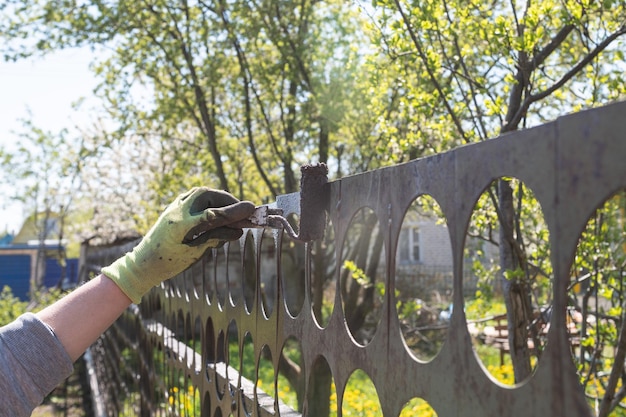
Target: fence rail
(180, 352)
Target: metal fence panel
(171, 356)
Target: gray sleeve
(32, 363)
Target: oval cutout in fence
(290, 364)
(322, 400)
(522, 286)
(360, 395)
(223, 262)
(424, 278)
(362, 282)
(418, 407)
(292, 267)
(210, 266)
(250, 273)
(268, 272)
(265, 388)
(596, 296)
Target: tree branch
(567, 77)
(245, 74)
(607, 403)
(429, 70)
(554, 43)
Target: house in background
(424, 258)
(28, 264)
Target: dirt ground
(70, 399)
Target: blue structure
(18, 268)
(15, 272)
(52, 277)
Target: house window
(409, 246)
(414, 245)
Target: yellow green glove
(195, 221)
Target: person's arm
(32, 362)
(81, 316)
(195, 221)
(37, 351)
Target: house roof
(32, 228)
(6, 239)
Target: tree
(43, 173)
(118, 199)
(251, 83)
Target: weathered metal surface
(572, 165)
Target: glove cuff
(121, 273)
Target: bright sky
(47, 87)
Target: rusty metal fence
(195, 345)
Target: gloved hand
(195, 221)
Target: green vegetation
(12, 307)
